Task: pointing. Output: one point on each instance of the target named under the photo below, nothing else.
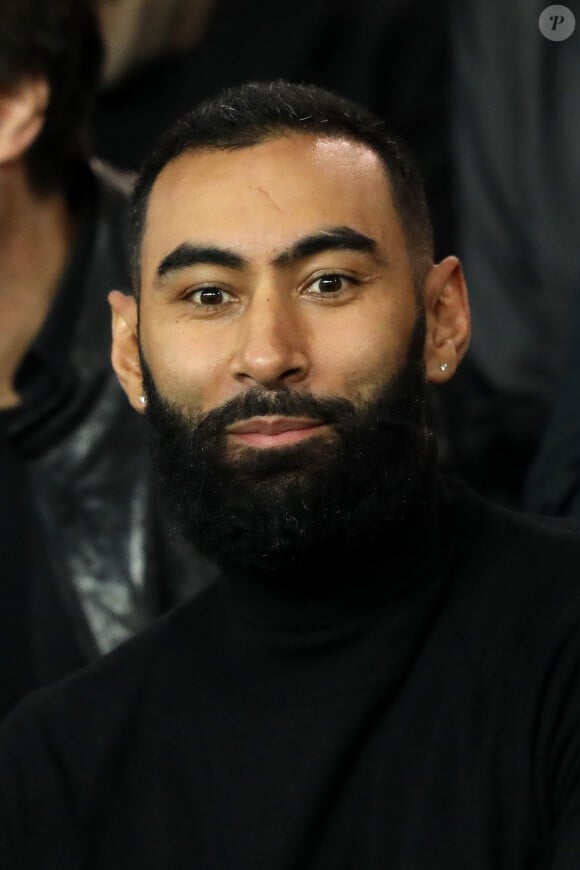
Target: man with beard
(386, 672)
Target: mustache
(255, 402)
(340, 413)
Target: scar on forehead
(268, 196)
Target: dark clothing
(553, 485)
(44, 384)
(16, 672)
(82, 552)
(421, 710)
(392, 57)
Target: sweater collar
(333, 588)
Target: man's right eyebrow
(186, 255)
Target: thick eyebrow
(332, 239)
(187, 255)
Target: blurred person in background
(80, 550)
(392, 56)
(137, 32)
(516, 132)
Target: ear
(447, 318)
(22, 111)
(125, 348)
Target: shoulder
(73, 725)
(516, 576)
(509, 540)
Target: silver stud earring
(443, 366)
(143, 399)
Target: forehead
(258, 200)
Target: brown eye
(333, 287)
(210, 296)
(329, 283)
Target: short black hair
(253, 113)
(60, 40)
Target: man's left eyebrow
(332, 239)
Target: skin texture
(274, 325)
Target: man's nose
(271, 343)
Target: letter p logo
(557, 23)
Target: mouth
(264, 432)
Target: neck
(332, 585)
(35, 236)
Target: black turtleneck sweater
(417, 711)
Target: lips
(273, 431)
(271, 425)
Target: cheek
(187, 368)
(366, 349)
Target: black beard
(271, 508)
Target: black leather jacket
(103, 555)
